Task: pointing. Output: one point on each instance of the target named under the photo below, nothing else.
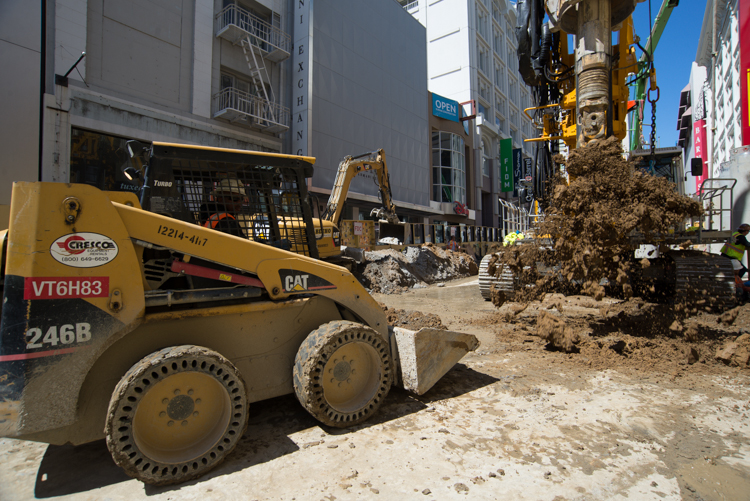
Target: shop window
(448, 168)
(98, 160)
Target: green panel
(506, 165)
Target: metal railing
(411, 5)
(716, 196)
(265, 113)
(263, 32)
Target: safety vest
(216, 218)
(733, 249)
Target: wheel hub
(180, 407)
(342, 370)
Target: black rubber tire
(345, 398)
(146, 414)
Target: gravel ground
(514, 420)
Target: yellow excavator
(139, 321)
(349, 168)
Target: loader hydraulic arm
(348, 169)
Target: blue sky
(672, 59)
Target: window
(229, 81)
(482, 23)
(448, 168)
(485, 90)
(481, 109)
(514, 135)
(500, 75)
(485, 157)
(511, 59)
(513, 90)
(500, 104)
(98, 160)
(482, 51)
(498, 41)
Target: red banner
(744, 28)
(699, 141)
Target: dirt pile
(413, 320)
(389, 271)
(589, 223)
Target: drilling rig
(582, 96)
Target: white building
(719, 53)
(471, 51)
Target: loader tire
(176, 414)
(342, 373)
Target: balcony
(242, 107)
(234, 24)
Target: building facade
(719, 52)
(471, 49)
(327, 78)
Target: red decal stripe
(38, 354)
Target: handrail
(251, 105)
(253, 25)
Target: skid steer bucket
(426, 355)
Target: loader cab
(199, 184)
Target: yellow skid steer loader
(140, 320)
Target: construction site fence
(368, 235)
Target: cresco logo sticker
(84, 250)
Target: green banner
(506, 165)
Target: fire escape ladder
(258, 71)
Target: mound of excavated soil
(413, 320)
(589, 222)
(631, 334)
(390, 271)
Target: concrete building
(691, 123)
(471, 50)
(268, 75)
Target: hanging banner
(517, 166)
(699, 140)
(506, 165)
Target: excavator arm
(348, 169)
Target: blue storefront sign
(444, 108)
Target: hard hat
(230, 185)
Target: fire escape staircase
(259, 42)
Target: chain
(652, 162)
(653, 128)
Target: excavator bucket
(426, 355)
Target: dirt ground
(640, 411)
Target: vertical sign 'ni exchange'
(301, 71)
(506, 165)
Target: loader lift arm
(348, 169)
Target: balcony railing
(242, 107)
(234, 23)
(411, 6)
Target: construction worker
(453, 245)
(221, 215)
(735, 248)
